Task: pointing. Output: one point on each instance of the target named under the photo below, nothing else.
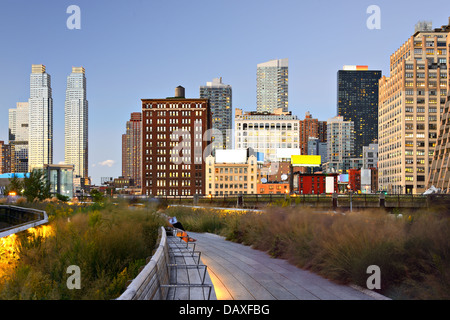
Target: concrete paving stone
(243, 273)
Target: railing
(149, 283)
(17, 219)
(170, 274)
(254, 201)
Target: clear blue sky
(144, 49)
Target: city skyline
(312, 83)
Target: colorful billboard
(305, 161)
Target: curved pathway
(239, 272)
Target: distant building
(6, 158)
(174, 145)
(315, 183)
(266, 132)
(132, 149)
(311, 128)
(340, 145)
(358, 102)
(220, 101)
(76, 123)
(370, 156)
(273, 188)
(318, 148)
(272, 86)
(19, 135)
(40, 128)
(231, 172)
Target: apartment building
(411, 104)
(174, 145)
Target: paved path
(239, 272)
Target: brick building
(173, 145)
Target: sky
(139, 49)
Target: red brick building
(310, 127)
(354, 180)
(313, 183)
(173, 145)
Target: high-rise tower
(219, 96)
(272, 86)
(40, 118)
(76, 123)
(357, 101)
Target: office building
(76, 123)
(357, 101)
(231, 172)
(220, 101)
(272, 86)
(19, 135)
(132, 149)
(265, 133)
(340, 144)
(411, 104)
(40, 106)
(174, 145)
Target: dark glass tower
(357, 95)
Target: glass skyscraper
(357, 95)
(272, 86)
(76, 123)
(40, 106)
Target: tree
(96, 195)
(36, 186)
(15, 185)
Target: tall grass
(109, 243)
(412, 250)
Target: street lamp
(350, 192)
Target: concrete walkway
(239, 272)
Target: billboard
(329, 184)
(343, 178)
(286, 153)
(231, 156)
(305, 161)
(259, 156)
(365, 177)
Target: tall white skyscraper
(272, 86)
(76, 122)
(40, 118)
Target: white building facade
(266, 133)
